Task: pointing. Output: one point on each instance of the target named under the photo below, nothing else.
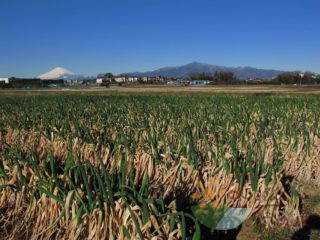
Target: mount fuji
(60, 73)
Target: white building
(120, 79)
(132, 79)
(5, 80)
(99, 80)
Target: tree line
(222, 77)
(296, 78)
(228, 77)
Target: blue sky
(93, 36)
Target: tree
(140, 80)
(108, 75)
(289, 78)
(105, 75)
(308, 78)
(297, 78)
(201, 76)
(222, 77)
(225, 77)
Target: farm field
(158, 165)
(141, 89)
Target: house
(120, 79)
(200, 82)
(99, 80)
(103, 79)
(5, 80)
(158, 79)
(132, 79)
(173, 83)
(144, 79)
(183, 82)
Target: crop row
(124, 166)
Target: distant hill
(196, 67)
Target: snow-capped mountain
(60, 73)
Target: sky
(97, 36)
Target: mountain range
(179, 71)
(197, 67)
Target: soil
(310, 195)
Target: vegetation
(127, 167)
(223, 77)
(297, 78)
(227, 77)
